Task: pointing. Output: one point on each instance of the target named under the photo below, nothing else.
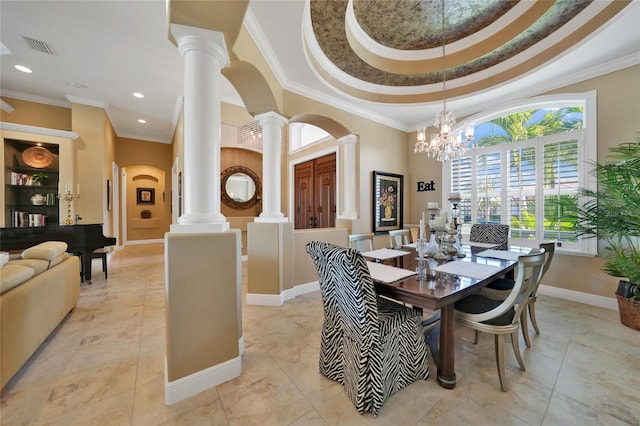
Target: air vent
(40, 46)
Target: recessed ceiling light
(23, 69)
(77, 85)
(138, 95)
(142, 121)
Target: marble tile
(105, 365)
(566, 411)
(114, 411)
(77, 389)
(601, 391)
(271, 400)
(149, 407)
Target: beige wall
(107, 167)
(35, 114)
(304, 271)
(89, 151)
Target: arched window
(529, 161)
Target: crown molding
(37, 99)
(38, 130)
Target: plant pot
(624, 288)
(629, 312)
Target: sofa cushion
(37, 265)
(13, 275)
(59, 258)
(45, 251)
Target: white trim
(579, 297)
(265, 299)
(241, 345)
(138, 242)
(301, 289)
(6, 107)
(38, 130)
(279, 299)
(199, 381)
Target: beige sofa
(38, 289)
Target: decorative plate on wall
(37, 157)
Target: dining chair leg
(532, 315)
(476, 337)
(499, 346)
(525, 328)
(516, 349)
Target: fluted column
(272, 124)
(349, 143)
(205, 54)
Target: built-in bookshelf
(30, 198)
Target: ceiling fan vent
(39, 45)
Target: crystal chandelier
(444, 145)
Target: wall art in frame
(146, 196)
(387, 201)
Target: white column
(205, 54)
(350, 195)
(271, 123)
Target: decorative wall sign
(426, 186)
(387, 201)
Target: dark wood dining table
(440, 291)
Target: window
(529, 161)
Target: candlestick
(68, 197)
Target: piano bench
(100, 253)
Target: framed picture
(387, 201)
(146, 196)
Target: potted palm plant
(38, 178)
(612, 213)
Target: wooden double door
(315, 193)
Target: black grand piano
(81, 239)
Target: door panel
(304, 195)
(315, 193)
(325, 191)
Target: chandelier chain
(444, 145)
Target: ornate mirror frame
(240, 205)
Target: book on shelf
(21, 219)
(22, 179)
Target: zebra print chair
(490, 233)
(371, 345)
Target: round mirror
(240, 187)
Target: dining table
(440, 284)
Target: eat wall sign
(426, 186)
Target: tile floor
(104, 366)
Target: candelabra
(454, 199)
(68, 197)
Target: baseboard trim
(279, 299)
(136, 242)
(265, 299)
(199, 381)
(578, 296)
(306, 288)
